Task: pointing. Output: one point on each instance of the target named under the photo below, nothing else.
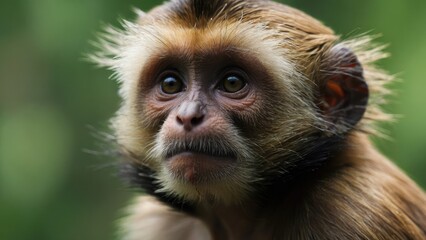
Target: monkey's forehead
(238, 37)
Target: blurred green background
(51, 189)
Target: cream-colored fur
(150, 220)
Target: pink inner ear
(334, 94)
(344, 92)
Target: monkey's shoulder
(368, 198)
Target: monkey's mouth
(197, 165)
(216, 152)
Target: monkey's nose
(190, 115)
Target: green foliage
(51, 189)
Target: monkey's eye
(233, 83)
(171, 84)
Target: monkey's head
(221, 97)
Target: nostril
(197, 120)
(179, 120)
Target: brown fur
(351, 193)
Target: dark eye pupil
(171, 85)
(170, 82)
(233, 84)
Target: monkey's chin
(199, 168)
(197, 177)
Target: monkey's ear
(343, 90)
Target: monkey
(249, 119)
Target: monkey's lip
(197, 167)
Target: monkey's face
(197, 95)
(201, 106)
(198, 144)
